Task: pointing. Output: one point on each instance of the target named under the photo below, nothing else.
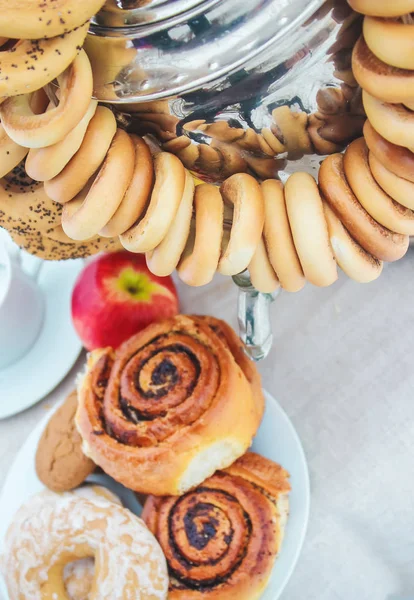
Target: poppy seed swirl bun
(172, 405)
(222, 538)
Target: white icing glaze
(97, 494)
(78, 577)
(49, 526)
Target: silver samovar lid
(144, 50)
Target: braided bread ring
(392, 41)
(38, 131)
(166, 196)
(164, 258)
(95, 145)
(380, 80)
(200, 259)
(262, 274)
(401, 190)
(136, 198)
(47, 59)
(358, 264)
(43, 164)
(25, 19)
(309, 229)
(399, 160)
(393, 121)
(244, 193)
(383, 8)
(57, 529)
(86, 215)
(373, 237)
(376, 202)
(278, 238)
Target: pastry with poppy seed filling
(170, 406)
(221, 539)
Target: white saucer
(53, 354)
(276, 439)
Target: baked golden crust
(33, 221)
(60, 462)
(229, 337)
(221, 539)
(168, 408)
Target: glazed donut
(95, 145)
(139, 191)
(394, 122)
(78, 578)
(201, 256)
(165, 257)
(380, 80)
(262, 274)
(57, 529)
(378, 241)
(38, 131)
(45, 163)
(97, 494)
(244, 193)
(25, 19)
(309, 230)
(398, 160)
(90, 211)
(376, 202)
(391, 41)
(401, 190)
(166, 196)
(353, 260)
(47, 59)
(383, 8)
(278, 238)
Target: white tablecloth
(342, 366)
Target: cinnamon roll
(171, 406)
(221, 539)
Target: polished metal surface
(214, 81)
(302, 88)
(164, 58)
(254, 318)
(127, 13)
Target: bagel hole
(8, 45)
(78, 578)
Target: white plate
(276, 439)
(55, 351)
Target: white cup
(21, 306)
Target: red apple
(116, 296)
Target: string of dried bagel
(110, 185)
(40, 42)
